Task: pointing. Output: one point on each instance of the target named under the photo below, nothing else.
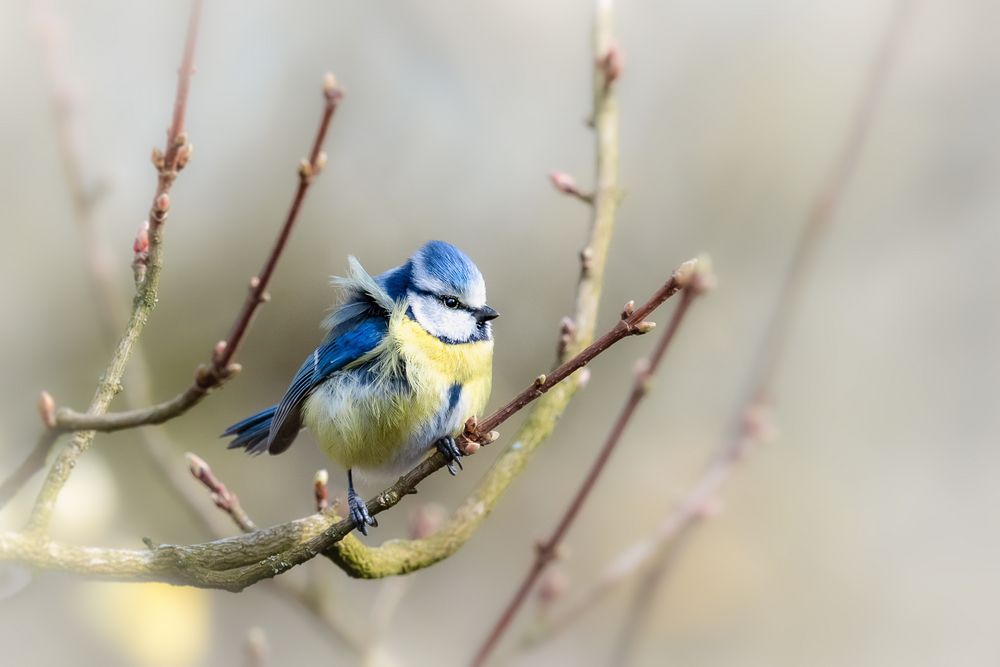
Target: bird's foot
(359, 512)
(452, 454)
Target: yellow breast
(373, 427)
(429, 360)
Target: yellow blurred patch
(153, 625)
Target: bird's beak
(485, 314)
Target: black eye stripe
(460, 306)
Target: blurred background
(864, 535)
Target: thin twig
(547, 550)
(401, 556)
(86, 195)
(175, 157)
(309, 600)
(238, 562)
(220, 368)
(750, 422)
(208, 376)
(224, 499)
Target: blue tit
(407, 359)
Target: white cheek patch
(441, 321)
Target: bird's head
(447, 294)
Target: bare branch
(402, 556)
(547, 550)
(224, 499)
(220, 367)
(752, 422)
(209, 376)
(238, 562)
(176, 154)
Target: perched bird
(407, 359)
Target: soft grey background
(865, 535)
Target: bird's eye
(450, 301)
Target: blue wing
(274, 429)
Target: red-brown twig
(220, 368)
(224, 499)
(751, 423)
(632, 322)
(308, 170)
(268, 553)
(547, 550)
(168, 164)
(310, 600)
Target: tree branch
(224, 499)
(547, 551)
(220, 368)
(237, 562)
(751, 423)
(208, 376)
(174, 158)
(402, 556)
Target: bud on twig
(184, 154)
(162, 203)
(197, 465)
(320, 162)
(683, 274)
(611, 65)
(200, 470)
(321, 492)
(305, 169)
(140, 254)
(704, 278)
(47, 409)
(586, 259)
(329, 84)
(628, 310)
(644, 327)
(566, 184)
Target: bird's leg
(359, 510)
(452, 454)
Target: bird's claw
(452, 454)
(359, 513)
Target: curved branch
(547, 551)
(220, 367)
(402, 556)
(237, 562)
(751, 421)
(168, 165)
